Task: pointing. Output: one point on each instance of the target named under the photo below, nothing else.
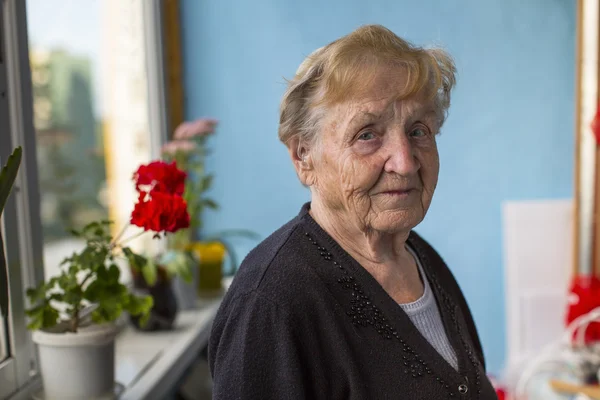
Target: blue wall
(509, 135)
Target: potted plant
(189, 150)
(74, 314)
(169, 264)
(8, 175)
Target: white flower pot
(78, 365)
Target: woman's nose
(401, 158)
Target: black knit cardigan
(303, 320)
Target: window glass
(90, 113)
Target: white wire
(569, 352)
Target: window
(82, 91)
(91, 114)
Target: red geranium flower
(159, 176)
(160, 212)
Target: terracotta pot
(165, 309)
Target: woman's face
(376, 163)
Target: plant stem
(114, 241)
(87, 277)
(75, 319)
(137, 235)
(75, 316)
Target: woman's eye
(367, 135)
(419, 132)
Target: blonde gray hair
(341, 70)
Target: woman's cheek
(360, 174)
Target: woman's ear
(300, 155)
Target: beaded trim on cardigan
(364, 313)
(452, 308)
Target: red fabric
(501, 394)
(584, 296)
(160, 212)
(159, 176)
(596, 125)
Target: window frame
(22, 212)
(21, 215)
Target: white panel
(538, 249)
(539, 323)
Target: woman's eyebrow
(362, 116)
(423, 112)
(359, 118)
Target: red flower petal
(163, 212)
(159, 176)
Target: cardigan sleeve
(253, 352)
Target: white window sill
(153, 363)
(150, 364)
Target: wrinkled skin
(372, 174)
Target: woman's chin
(397, 220)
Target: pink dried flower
(176, 146)
(199, 127)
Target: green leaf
(205, 182)
(4, 299)
(92, 226)
(35, 323)
(137, 261)
(8, 175)
(140, 307)
(59, 297)
(178, 262)
(73, 269)
(50, 317)
(75, 232)
(210, 204)
(42, 317)
(149, 272)
(127, 252)
(38, 294)
(186, 275)
(73, 259)
(108, 310)
(114, 273)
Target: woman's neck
(362, 242)
(384, 255)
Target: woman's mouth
(399, 192)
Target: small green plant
(89, 278)
(8, 175)
(89, 282)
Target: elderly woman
(345, 301)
